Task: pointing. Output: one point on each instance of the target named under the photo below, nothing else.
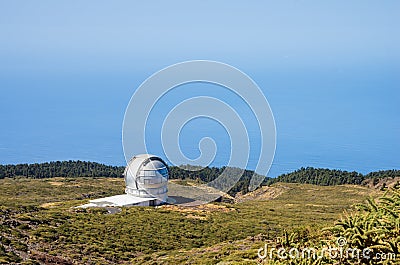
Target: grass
(38, 223)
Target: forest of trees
(383, 173)
(60, 169)
(329, 177)
(208, 174)
(93, 169)
(309, 175)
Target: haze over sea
(330, 72)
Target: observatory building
(146, 179)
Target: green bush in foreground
(368, 235)
(376, 226)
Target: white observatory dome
(146, 176)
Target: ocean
(338, 117)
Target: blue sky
(100, 35)
(330, 70)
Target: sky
(329, 69)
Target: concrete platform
(119, 201)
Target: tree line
(92, 169)
(60, 169)
(208, 174)
(330, 177)
(308, 175)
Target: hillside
(39, 225)
(309, 175)
(79, 169)
(329, 177)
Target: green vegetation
(92, 169)
(383, 174)
(309, 175)
(368, 234)
(60, 169)
(39, 224)
(375, 225)
(329, 177)
(208, 174)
